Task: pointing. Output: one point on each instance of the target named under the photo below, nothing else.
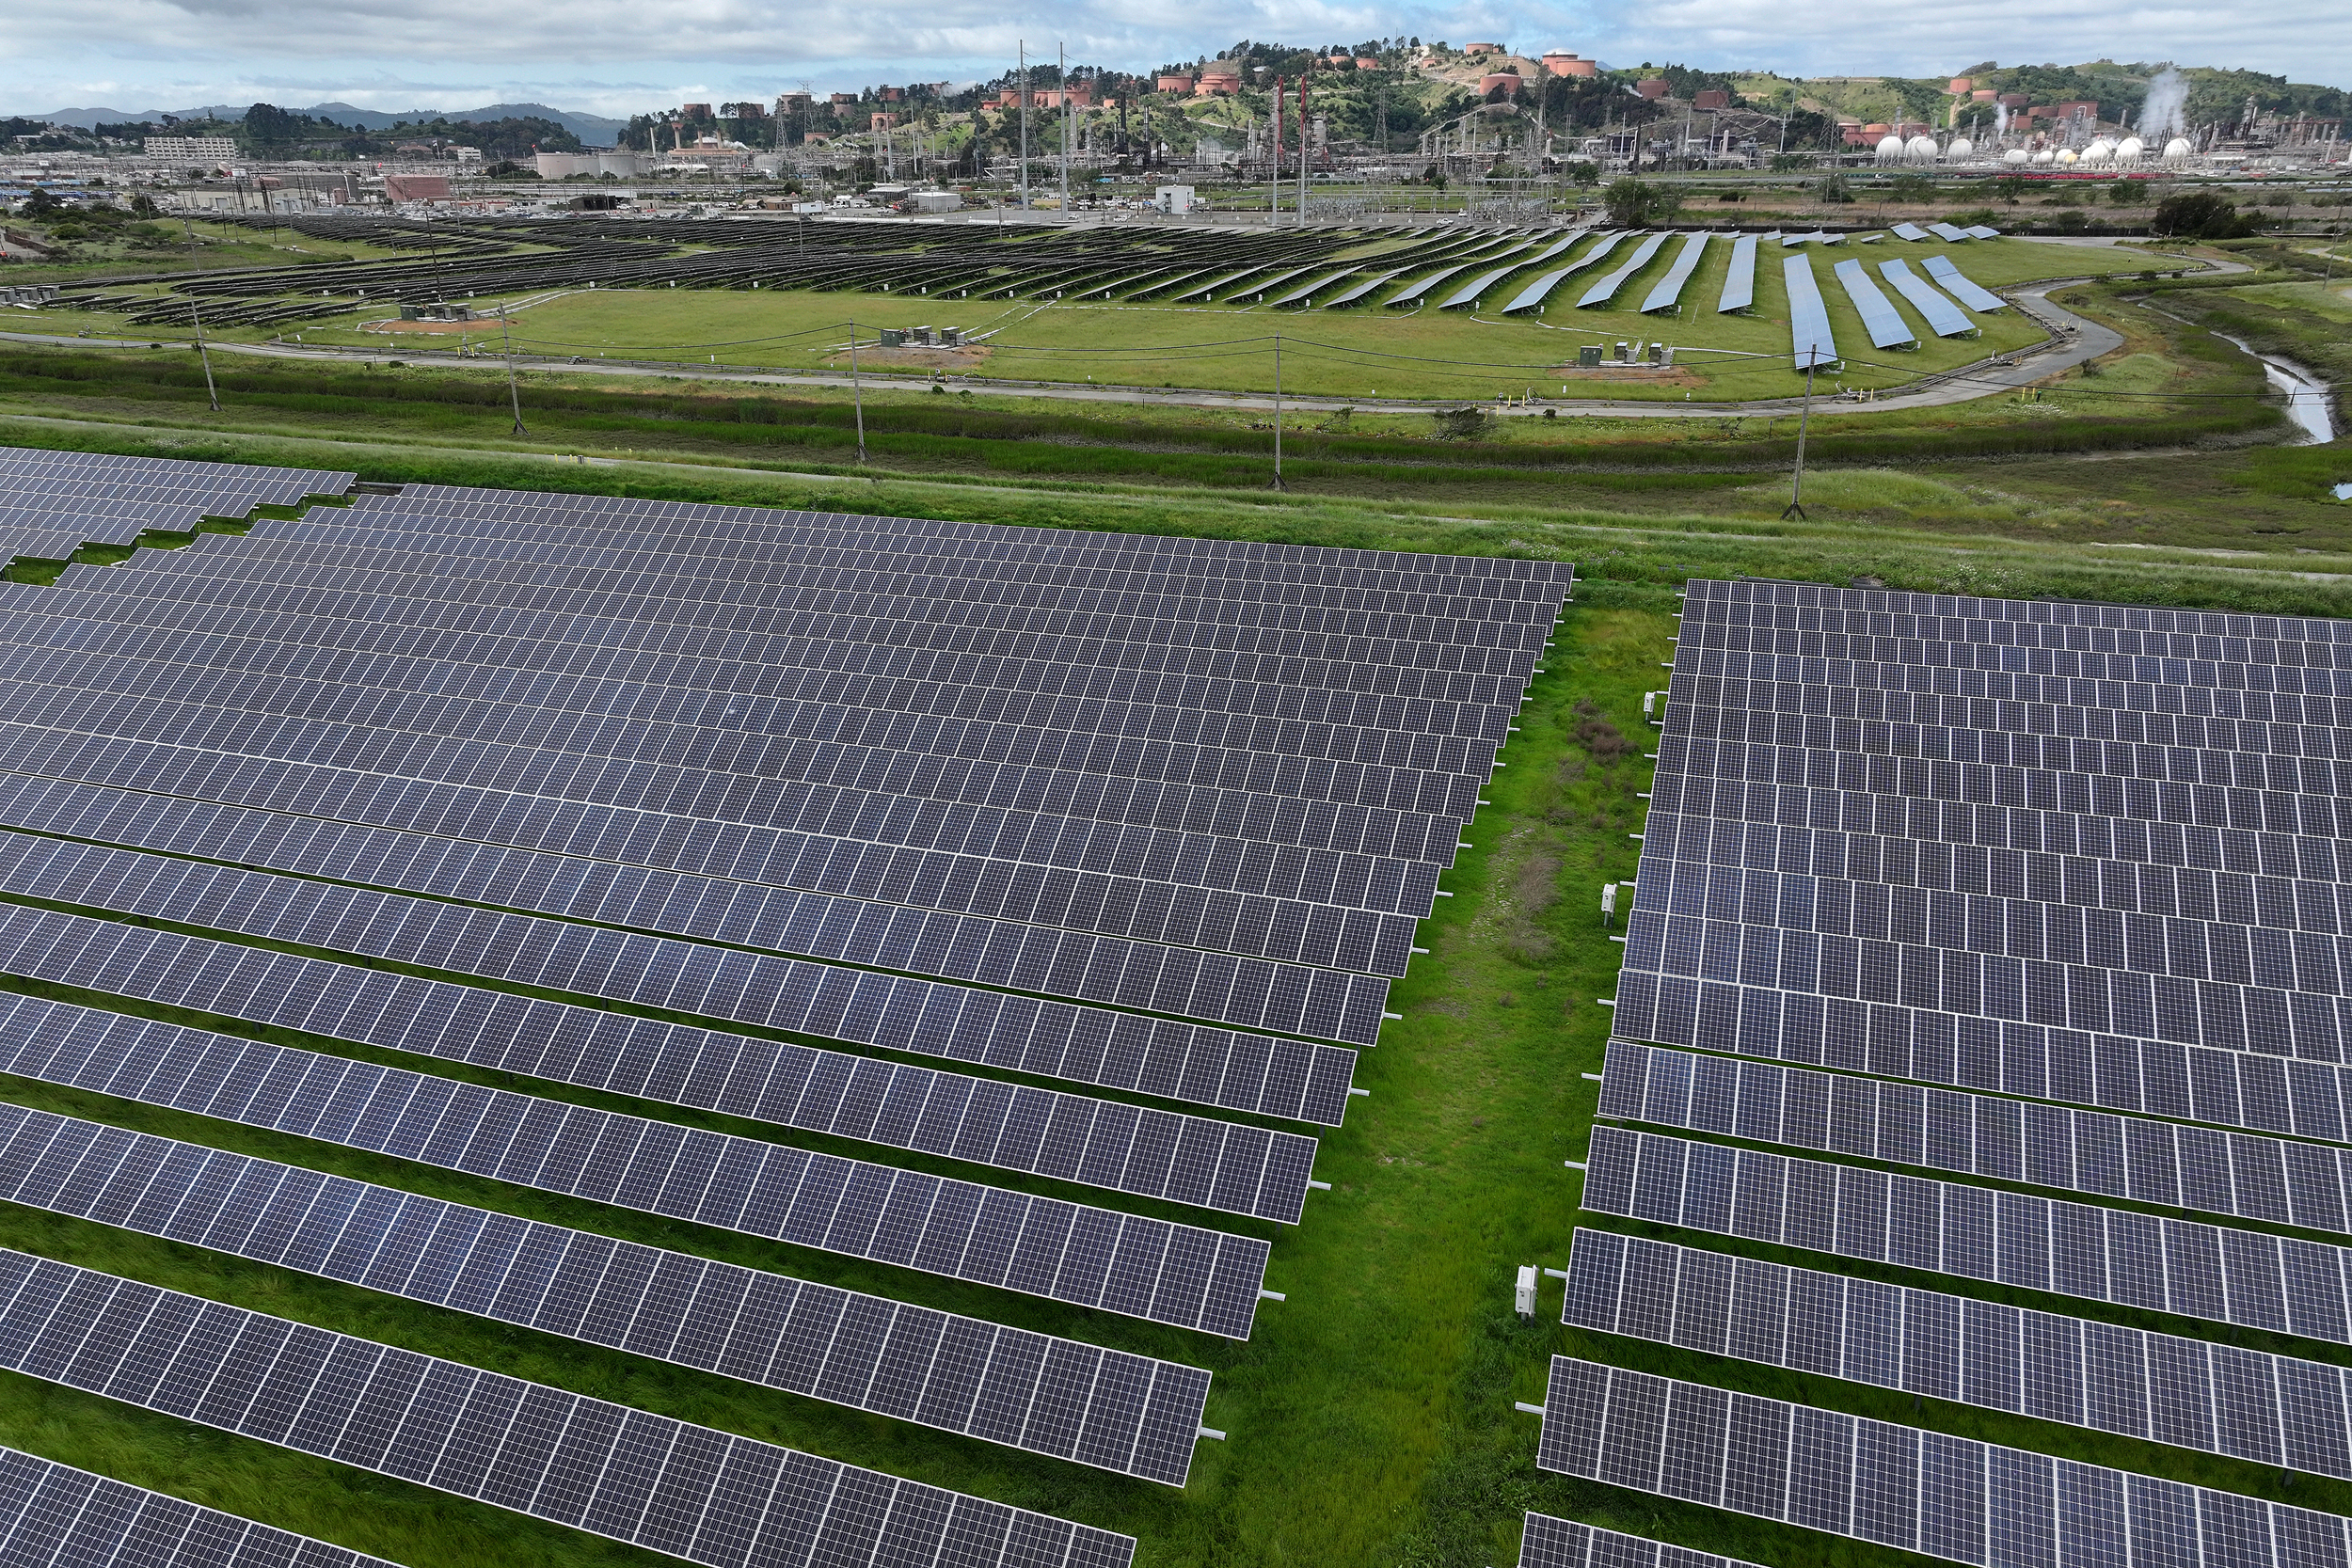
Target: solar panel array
(1123, 1413)
(1880, 319)
(646, 794)
(2168, 1163)
(2269, 1410)
(55, 1516)
(1942, 269)
(1811, 340)
(2031, 895)
(1943, 1497)
(1549, 1543)
(1740, 281)
(668, 1486)
(1944, 318)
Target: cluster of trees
(269, 132)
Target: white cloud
(615, 56)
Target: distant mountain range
(593, 130)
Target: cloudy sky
(618, 57)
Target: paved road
(2072, 340)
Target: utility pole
(1061, 69)
(1796, 489)
(211, 393)
(514, 393)
(857, 394)
(1025, 125)
(1278, 410)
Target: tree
(2128, 193)
(2010, 188)
(1788, 163)
(266, 124)
(2199, 215)
(1583, 171)
(1910, 188)
(40, 203)
(1641, 203)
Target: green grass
(1366, 352)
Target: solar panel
(1982, 231)
(2158, 888)
(1147, 1152)
(1138, 1416)
(1088, 1257)
(2162, 1162)
(1809, 318)
(1968, 294)
(1740, 281)
(1539, 289)
(1942, 317)
(2181, 1266)
(1686, 262)
(670, 1486)
(1549, 1543)
(1469, 293)
(2267, 1409)
(1947, 233)
(1940, 1495)
(1880, 319)
(1606, 289)
(57, 1516)
(1908, 231)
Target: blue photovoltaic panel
(1982, 231)
(1356, 292)
(1305, 294)
(1811, 342)
(1470, 292)
(1670, 287)
(1739, 283)
(2271, 1410)
(1088, 1257)
(1880, 317)
(55, 1516)
(1908, 231)
(1540, 289)
(757, 1326)
(1968, 294)
(705, 1496)
(1549, 1543)
(1946, 319)
(1945, 231)
(1606, 290)
(1927, 1492)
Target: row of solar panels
(242, 706)
(1815, 343)
(1802, 816)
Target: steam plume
(2165, 114)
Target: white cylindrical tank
(1920, 150)
(2130, 150)
(1961, 148)
(2016, 155)
(2177, 148)
(1890, 150)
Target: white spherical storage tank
(1961, 148)
(2177, 148)
(2046, 156)
(2067, 156)
(2098, 151)
(2130, 150)
(2016, 155)
(1920, 150)
(1890, 150)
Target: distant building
(1079, 94)
(790, 104)
(468, 158)
(1653, 87)
(1507, 80)
(882, 122)
(416, 187)
(1367, 62)
(192, 150)
(1483, 49)
(696, 111)
(842, 98)
(1215, 77)
(1713, 98)
(1960, 84)
(1561, 63)
(1179, 82)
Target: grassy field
(1418, 354)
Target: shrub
(2199, 215)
